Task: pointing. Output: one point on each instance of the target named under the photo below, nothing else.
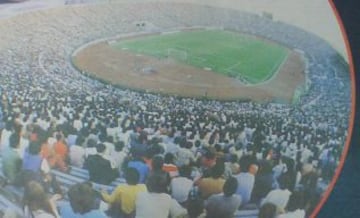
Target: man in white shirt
(278, 197)
(246, 181)
(77, 153)
(5, 136)
(156, 203)
(118, 155)
(180, 186)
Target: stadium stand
(43, 95)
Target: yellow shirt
(210, 186)
(125, 195)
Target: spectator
(184, 156)
(246, 179)
(143, 169)
(157, 168)
(77, 153)
(36, 168)
(180, 186)
(278, 197)
(5, 136)
(226, 204)
(33, 161)
(82, 203)
(11, 161)
(118, 155)
(195, 204)
(60, 153)
(156, 203)
(37, 204)
(100, 170)
(213, 184)
(122, 200)
(169, 165)
(267, 210)
(263, 181)
(233, 164)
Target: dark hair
(267, 210)
(34, 148)
(197, 143)
(185, 171)
(230, 186)
(189, 144)
(265, 167)
(91, 143)
(169, 158)
(82, 198)
(102, 137)
(58, 136)
(157, 183)
(245, 162)
(209, 153)
(14, 140)
(195, 207)
(80, 140)
(217, 170)
(195, 204)
(143, 137)
(157, 162)
(119, 146)
(132, 176)
(234, 158)
(100, 148)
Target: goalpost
(177, 54)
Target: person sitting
(118, 155)
(213, 184)
(157, 203)
(157, 164)
(36, 202)
(184, 155)
(233, 164)
(263, 181)
(100, 170)
(77, 152)
(180, 186)
(82, 201)
(208, 161)
(139, 145)
(246, 179)
(224, 205)
(169, 165)
(33, 161)
(61, 153)
(143, 169)
(36, 168)
(278, 197)
(267, 210)
(11, 161)
(195, 204)
(122, 200)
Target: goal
(177, 54)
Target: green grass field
(233, 54)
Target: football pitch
(236, 55)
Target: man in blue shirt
(82, 203)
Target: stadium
(187, 105)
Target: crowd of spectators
(179, 156)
